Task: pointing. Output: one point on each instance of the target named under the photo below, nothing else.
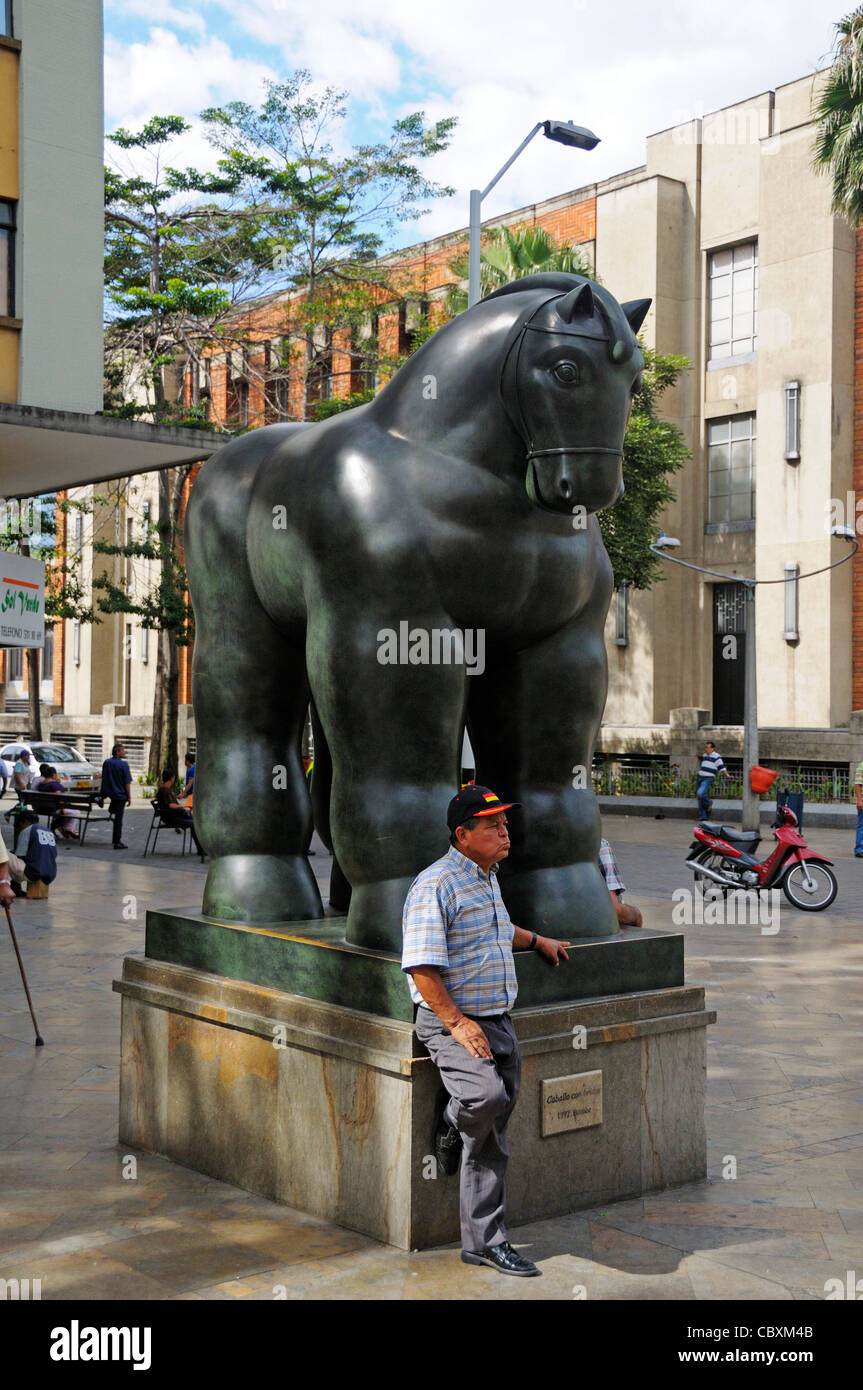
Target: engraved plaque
(571, 1102)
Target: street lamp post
(565, 133)
(751, 809)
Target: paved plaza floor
(785, 1114)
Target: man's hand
(627, 915)
(553, 950)
(7, 894)
(468, 1032)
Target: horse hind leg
(252, 807)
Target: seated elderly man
(458, 944)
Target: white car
(73, 770)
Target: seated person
(171, 811)
(66, 819)
(627, 916)
(189, 789)
(36, 856)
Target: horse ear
(636, 312)
(578, 301)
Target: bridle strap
(577, 449)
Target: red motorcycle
(724, 855)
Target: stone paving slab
(785, 1106)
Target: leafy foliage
(652, 449)
(512, 254)
(838, 112)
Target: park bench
(49, 803)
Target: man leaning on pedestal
(458, 944)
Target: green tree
(324, 217)
(180, 250)
(838, 113)
(509, 254)
(653, 449)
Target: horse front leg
(394, 734)
(533, 720)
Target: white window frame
(742, 303)
(714, 470)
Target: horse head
(571, 366)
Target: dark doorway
(729, 652)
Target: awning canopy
(47, 450)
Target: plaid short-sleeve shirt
(454, 918)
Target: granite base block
(315, 960)
(329, 1109)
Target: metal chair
(159, 823)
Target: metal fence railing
(819, 782)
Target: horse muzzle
(560, 479)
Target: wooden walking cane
(40, 1041)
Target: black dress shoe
(446, 1140)
(121, 846)
(501, 1257)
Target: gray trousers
(482, 1093)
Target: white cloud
(625, 68)
(160, 12)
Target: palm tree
(510, 255)
(838, 147)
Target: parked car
(73, 770)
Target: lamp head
(566, 133)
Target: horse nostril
(565, 488)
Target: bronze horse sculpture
(460, 501)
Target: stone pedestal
(329, 1108)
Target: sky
(624, 69)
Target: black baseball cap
(474, 800)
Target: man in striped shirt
(711, 763)
(458, 944)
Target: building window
(792, 421)
(792, 598)
(7, 258)
(15, 664)
(145, 645)
(76, 641)
(731, 469)
(621, 616)
(6, 18)
(78, 535)
(733, 296)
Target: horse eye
(566, 372)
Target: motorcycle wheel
(820, 895)
(703, 881)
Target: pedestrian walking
(117, 787)
(711, 764)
